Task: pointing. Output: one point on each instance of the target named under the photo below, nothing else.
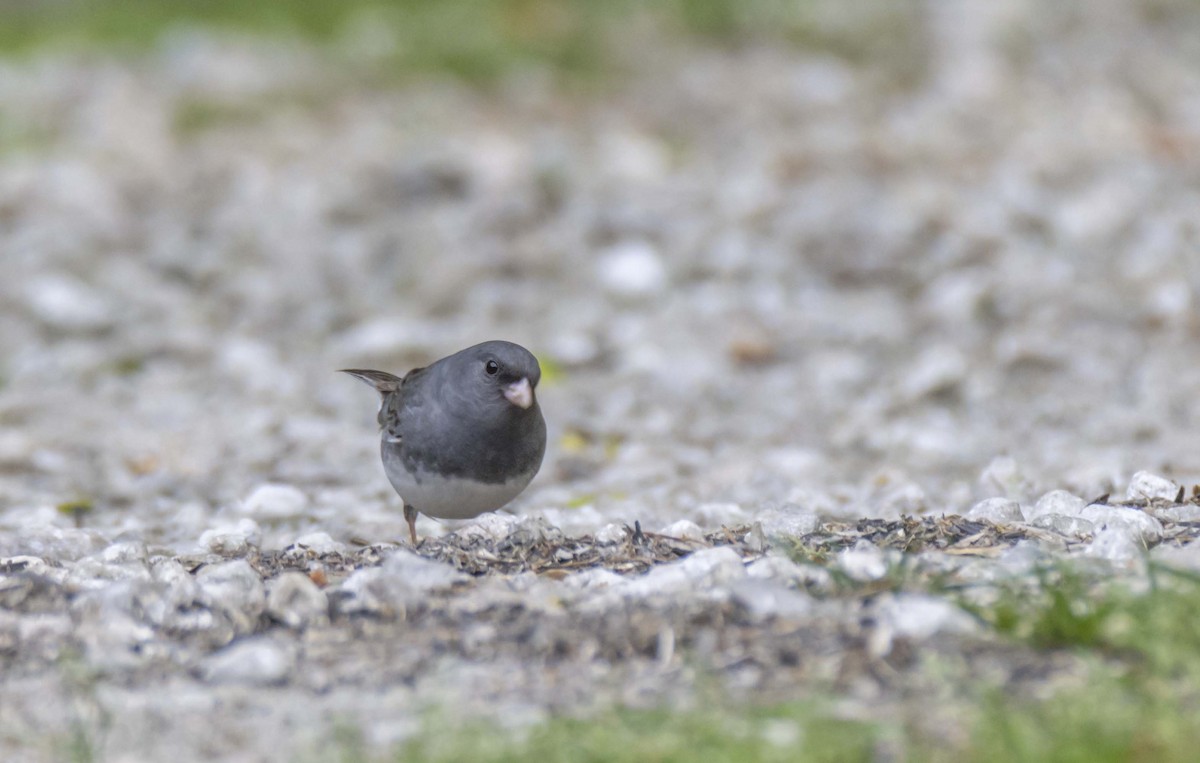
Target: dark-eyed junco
(463, 435)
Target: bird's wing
(400, 404)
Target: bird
(463, 435)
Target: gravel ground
(775, 292)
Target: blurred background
(870, 258)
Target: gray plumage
(463, 435)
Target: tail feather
(382, 381)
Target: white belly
(455, 498)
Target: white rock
(764, 599)
(421, 574)
(295, 600)
(702, 571)
(28, 564)
(788, 521)
(125, 552)
(1147, 486)
(66, 303)
(594, 578)
(1064, 525)
(784, 570)
(631, 269)
(232, 540)
(1001, 511)
(919, 616)
(1141, 526)
(863, 563)
(684, 529)
(493, 526)
(53, 543)
(1057, 502)
(1187, 513)
(321, 543)
(254, 661)
(403, 579)
(235, 589)
(611, 534)
(1115, 544)
(274, 501)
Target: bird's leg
(410, 516)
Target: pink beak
(519, 393)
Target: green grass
(795, 732)
(473, 39)
(1137, 698)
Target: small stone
(863, 563)
(1147, 486)
(788, 521)
(321, 543)
(631, 269)
(1057, 502)
(919, 616)
(232, 541)
(684, 530)
(764, 599)
(274, 501)
(702, 571)
(493, 526)
(1074, 527)
(1000, 511)
(421, 574)
(236, 590)
(403, 579)
(125, 552)
(254, 661)
(1188, 512)
(784, 570)
(1144, 528)
(67, 303)
(60, 544)
(295, 600)
(1115, 544)
(611, 534)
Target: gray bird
(463, 435)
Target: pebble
(1140, 526)
(252, 661)
(611, 534)
(632, 270)
(1000, 511)
(684, 530)
(236, 590)
(763, 599)
(295, 600)
(1115, 544)
(492, 526)
(787, 521)
(920, 616)
(235, 540)
(1147, 486)
(1073, 527)
(1057, 502)
(321, 543)
(274, 501)
(66, 303)
(863, 563)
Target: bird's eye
(492, 368)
